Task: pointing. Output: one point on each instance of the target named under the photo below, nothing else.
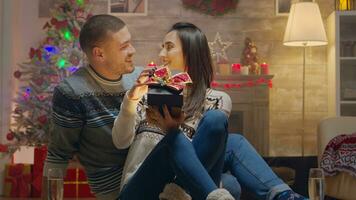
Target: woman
(192, 156)
(185, 45)
(241, 159)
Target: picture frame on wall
(127, 7)
(282, 7)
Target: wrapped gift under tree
(76, 184)
(17, 181)
(40, 154)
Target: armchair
(342, 185)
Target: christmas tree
(250, 57)
(55, 58)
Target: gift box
(17, 181)
(159, 96)
(165, 89)
(76, 184)
(40, 154)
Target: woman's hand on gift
(166, 122)
(140, 88)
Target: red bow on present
(20, 182)
(35, 52)
(162, 76)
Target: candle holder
(245, 70)
(151, 64)
(236, 68)
(264, 68)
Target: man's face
(118, 52)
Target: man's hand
(165, 122)
(140, 88)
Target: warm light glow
(305, 26)
(61, 63)
(236, 67)
(152, 64)
(67, 35)
(80, 2)
(344, 4)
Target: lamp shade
(305, 26)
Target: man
(86, 104)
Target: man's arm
(67, 124)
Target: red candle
(236, 68)
(151, 64)
(264, 68)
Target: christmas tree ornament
(17, 74)
(10, 136)
(41, 97)
(61, 63)
(18, 110)
(42, 119)
(46, 26)
(38, 81)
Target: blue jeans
(196, 165)
(250, 170)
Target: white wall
(20, 29)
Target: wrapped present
(76, 184)
(17, 182)
(40, 154)
(165, 89)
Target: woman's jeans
(250, 171)
(196, 165)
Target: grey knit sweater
(85, 106)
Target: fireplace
(236, 122)
(250, 110)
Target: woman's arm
(123, 131)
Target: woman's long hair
(198, 62)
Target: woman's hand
(140, 88)
(166, 122)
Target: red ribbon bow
(35, 52)
(20, 182)
(162, 76)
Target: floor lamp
(304, 28)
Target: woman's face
(172, 52)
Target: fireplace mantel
(253, 103)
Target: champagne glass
(316, 184)
(55, 184)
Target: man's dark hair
(95, 30)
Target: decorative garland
(252, 83)
(211, 7)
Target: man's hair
(95, 30)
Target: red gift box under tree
(17, 182)
(76, 184)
